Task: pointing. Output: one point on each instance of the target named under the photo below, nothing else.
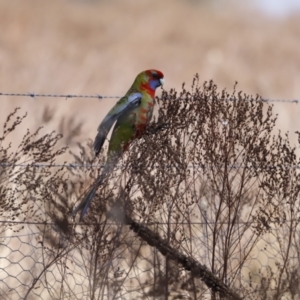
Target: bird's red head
(155, 74)
(155, 77)
(150, 80)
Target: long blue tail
(85, 203)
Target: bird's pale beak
(162, 81)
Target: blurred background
(98, 47)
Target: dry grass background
(97, 47)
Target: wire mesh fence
(31, 269)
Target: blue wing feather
(119, 110)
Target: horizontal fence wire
(99, 166)
(37, 95)
(248, 223)
(70, 96)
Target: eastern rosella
(131, 114)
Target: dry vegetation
(205, 208)
(189, 211)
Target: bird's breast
(144, 112)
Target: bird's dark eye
(155, 75)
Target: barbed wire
(97, 96)
(68, 96)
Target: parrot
(130, 116)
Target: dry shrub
(201, 191)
